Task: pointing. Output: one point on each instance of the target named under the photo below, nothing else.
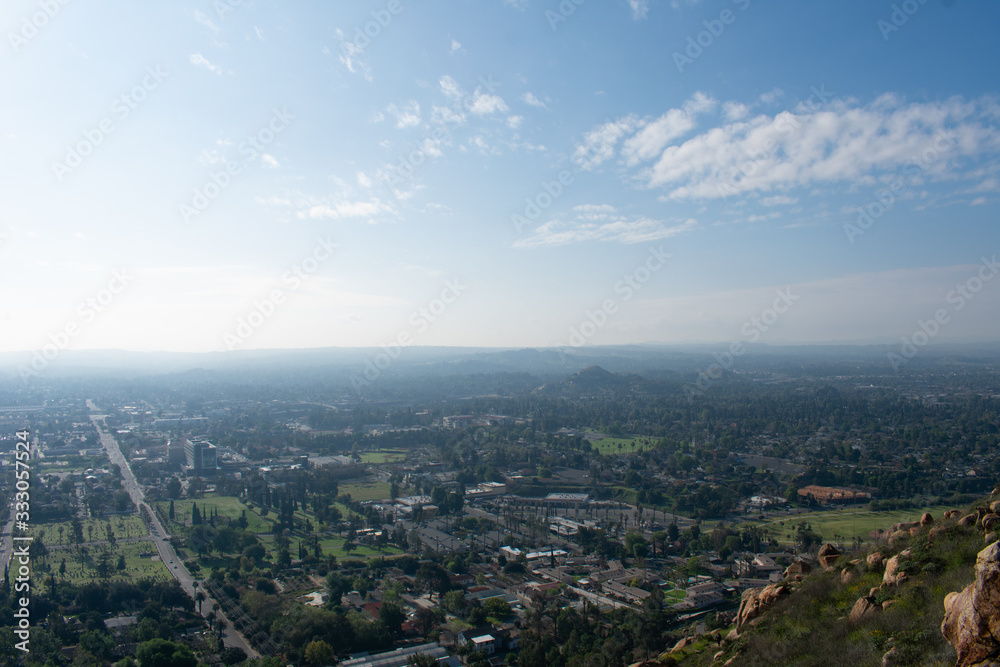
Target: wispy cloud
(639, 8)
(201, 61)
(602, 223)
(529, 98)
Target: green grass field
(123, 528)
(629, 445)
(226, 506)
(384, 456)
(81, 567)
(366, 490)
(849, 523)
(331, 545)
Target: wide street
(161, 538)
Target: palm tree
(199, 597)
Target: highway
(161, 538)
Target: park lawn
(226, 506)
(330, 545)
(629, 445)
(138, 563)
(124, 527)
(849, 523)
(383, 456)
(361, 491)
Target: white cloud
(450, 87)
(446, 115)
(529, 98)
(456, 47)
(352, 56)
(599, 144)
(346, 209)
(978, 201)
(363, 180)
(735, 110)
(269, 161)
(486, 103)
(514, 122)
(516, 4)
(778, 200)
(406, 116)
(607, 228)
(431, 147)
(639, 8)
(260, 35)
(648, 142)
(840, 142)
(201, 61)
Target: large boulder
(828, 555)
(756, 601)
(972, 617)
(897, 530)
(926, 519)
(796, 568)
(990, 522)
(865, 606)
(875, 559)
(893, 575)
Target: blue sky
(496, 173)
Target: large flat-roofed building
(201, 458)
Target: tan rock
(995, 507)
(828, 555)
(718, 656)
(990, 522)
(968, 520)
(756, 601)
(846, 575)
(865, 606)
(887, 604)
(797, 568)
(926, 519)
(732, 635)
(892, 573)
(683, 643)
(875, 559)
(972, 617)
(891, 657)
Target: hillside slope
(880, 606)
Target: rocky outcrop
(893, 575)
(828, 555)
(897, 530)
(972, 617)
(756, 601)
(875, 559)
(797, 568)
(990, 522)
(846, 575)
(968, 520)
(865, 606)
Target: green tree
(164, 653)
(318, 653)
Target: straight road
(161, 538)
